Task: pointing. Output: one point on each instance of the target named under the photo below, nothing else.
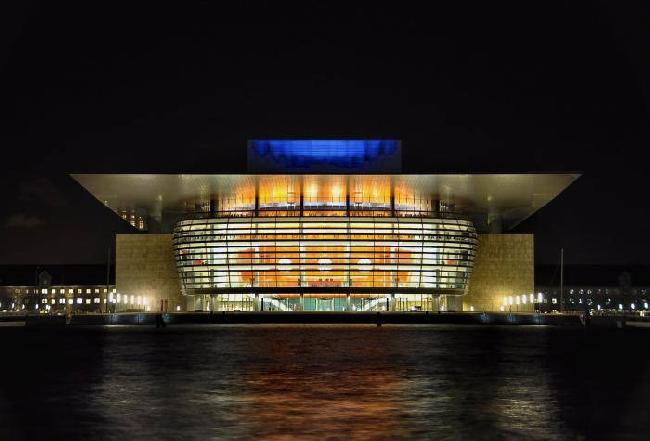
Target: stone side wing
(145, 267)
(504, 266)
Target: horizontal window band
(328, 290)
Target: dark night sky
(120, 87)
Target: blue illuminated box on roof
(324, 156)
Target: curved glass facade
(326, 255)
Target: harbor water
(324, 382)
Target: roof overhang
(513, 197)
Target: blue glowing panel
(324, 155)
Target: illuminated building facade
(317, 225)
(64, 298)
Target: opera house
(325, 225)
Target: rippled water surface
(325, 382)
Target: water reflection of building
(358, 235)
(358, 389)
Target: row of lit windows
(259, 226)
(598, 291)
(282, 222)
(542, 299)
(319, 190)
(323, 231)
(308, 248)
(206, 259)
(60, 290)
(113, 298)
(317, 254)
(321, 211)
(117, 298)
(71, 301)
(412, 275)
(325, 235)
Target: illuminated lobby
(325, 225)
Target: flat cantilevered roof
(513, 197)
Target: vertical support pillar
(302, 196)
(435, 206)
(347, 196)
(348, 303)
(256, 306)
(561, 279)
(155, 216)
(108, 275)
(392, 302)
(494, 223)
(392, 196)
(302, 301)
(214, 205)
(257, 196)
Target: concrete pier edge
(371, 318)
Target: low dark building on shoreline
(605, 288)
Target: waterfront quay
(372, 318)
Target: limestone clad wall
(504, 266)
(145, 266)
